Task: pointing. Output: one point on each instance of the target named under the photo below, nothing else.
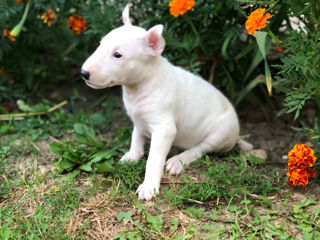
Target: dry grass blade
(20, 116)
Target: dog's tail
(244, 145)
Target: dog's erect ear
(155, 40)
(125, 16)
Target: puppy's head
(123, 55)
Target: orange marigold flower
(300, 176)
(19, 1)
(48, 17)
(180, 7)
(279, 49)
(301, 159)
(77, 24)
(257, 20)
(9, 35)
(301, 156)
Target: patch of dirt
(275, 135)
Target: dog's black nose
(85, 74)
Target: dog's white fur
(166, 103)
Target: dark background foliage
(54, 54)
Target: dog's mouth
(95, 86)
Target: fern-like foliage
(299, 75)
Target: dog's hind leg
(222, 139)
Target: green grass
(228, 180)
(47, 217)
(229, 196)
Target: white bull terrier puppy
(166, 103)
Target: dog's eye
(117, 55)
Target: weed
(88, 156)
(196, 213)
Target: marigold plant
(180, 7)
(301, 156)
(77, 24)
(257, 20)
(48, 17)
(300, 176)
(9, 35)
(301, 159)
(12, 35)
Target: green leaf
(105, 167)
(97, 119)
(83, 157)
(57, 148)
(259, 79)
(23, 106)
(297, 208)
(174, 226)
(261, 38)
(84, 134)
(258, 58)
(268, 77)
(255, 160)
(70, 157)
(124, 215)
(155, 222)
(66, 164)
(225, 45)
(106, 154)
(86, 167)
(255, 62)
(316, 213)
(83, 129)
(72, 175)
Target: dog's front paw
(146, 191)
(174, 165)
(131, 157)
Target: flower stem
(16, 30)
(274, 37)
(25, 14)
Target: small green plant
(89, 156)
(124, 216)
(196, 213)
